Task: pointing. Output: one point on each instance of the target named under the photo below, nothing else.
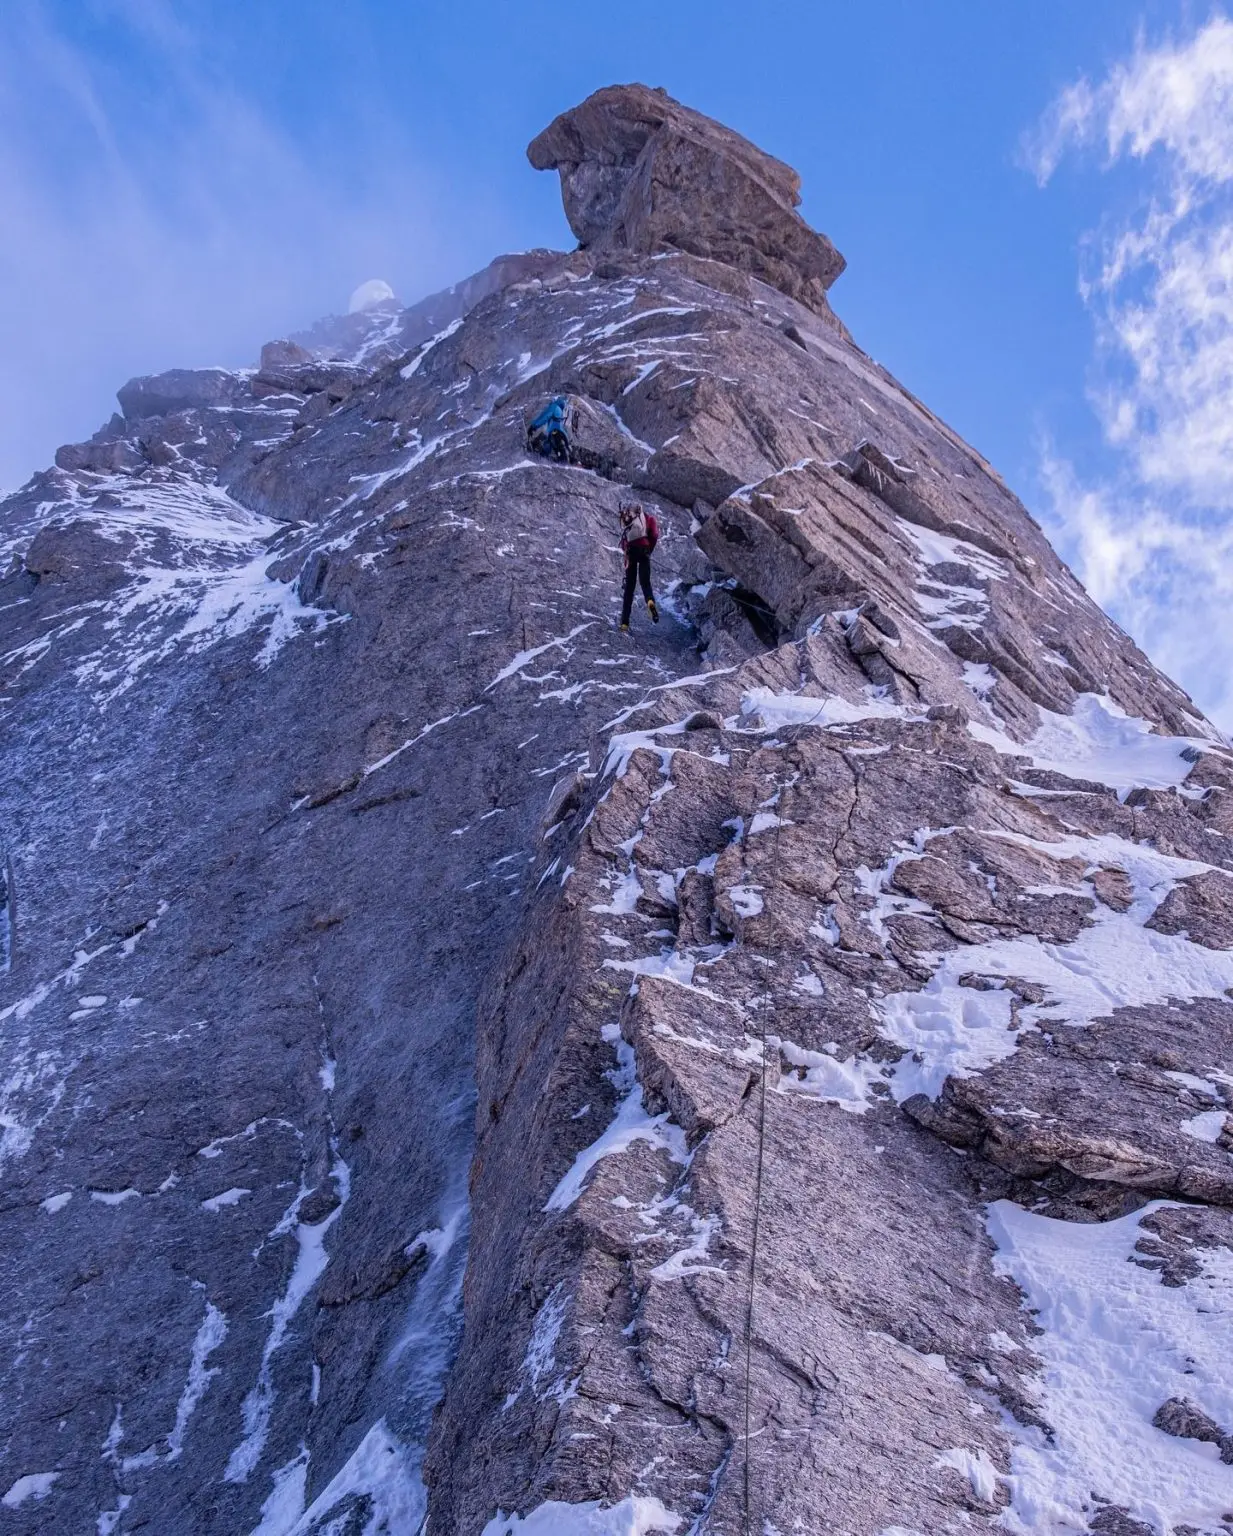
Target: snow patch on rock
(774, 711)
(822, 1075)
(949, 1029)
(311, 1260)
(34, 1485)
(1116, 1344)
(380, 1467)
(1101, 742)
(1207, 1126)
(632, 1122)
(633, 1516)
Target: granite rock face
(465, 1065)
(641, 173)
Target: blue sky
(1033, 199)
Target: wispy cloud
(1177, 96)
(1154, 542)
(158, 214)
(1167, 577)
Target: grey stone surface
(641, 173)
(335, 931)
(1177, 1416)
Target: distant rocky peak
(641, 173)
(377, 328)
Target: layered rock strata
(641, 173)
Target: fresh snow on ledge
(633, 1516)
(37, 1485)
(980, 1472)
(1116, 1345)
(822, 1075)
(379, 1467)
(778, 710)
(632, 1122)
(1206, 1126)
(949, 1029)
(941, 549)
(1100, 742)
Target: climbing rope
(799, 728)
(753, 1268)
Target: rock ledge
(641, 173)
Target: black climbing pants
(637, 569)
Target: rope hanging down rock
(768, 1001)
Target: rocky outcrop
(792, 933)
(1181, 1418)
(181, 389)
(801, 1017)
(641, 173)
(380, 334)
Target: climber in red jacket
(639, 535)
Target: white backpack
(635, 529)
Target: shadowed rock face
(641, 173)
(765, 1006)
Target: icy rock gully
(403, 976)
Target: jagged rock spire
(639, 172)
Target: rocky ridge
(803, 1017)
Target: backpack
(547, 434)
(553, 414)
(635, 531)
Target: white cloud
(371, 295)
(1177, 97)
(1153, 542)
(157, 213)
(1164, 297)
(1165, 575)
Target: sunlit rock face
(641, 173)
(468, 1064)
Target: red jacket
(648, 543)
